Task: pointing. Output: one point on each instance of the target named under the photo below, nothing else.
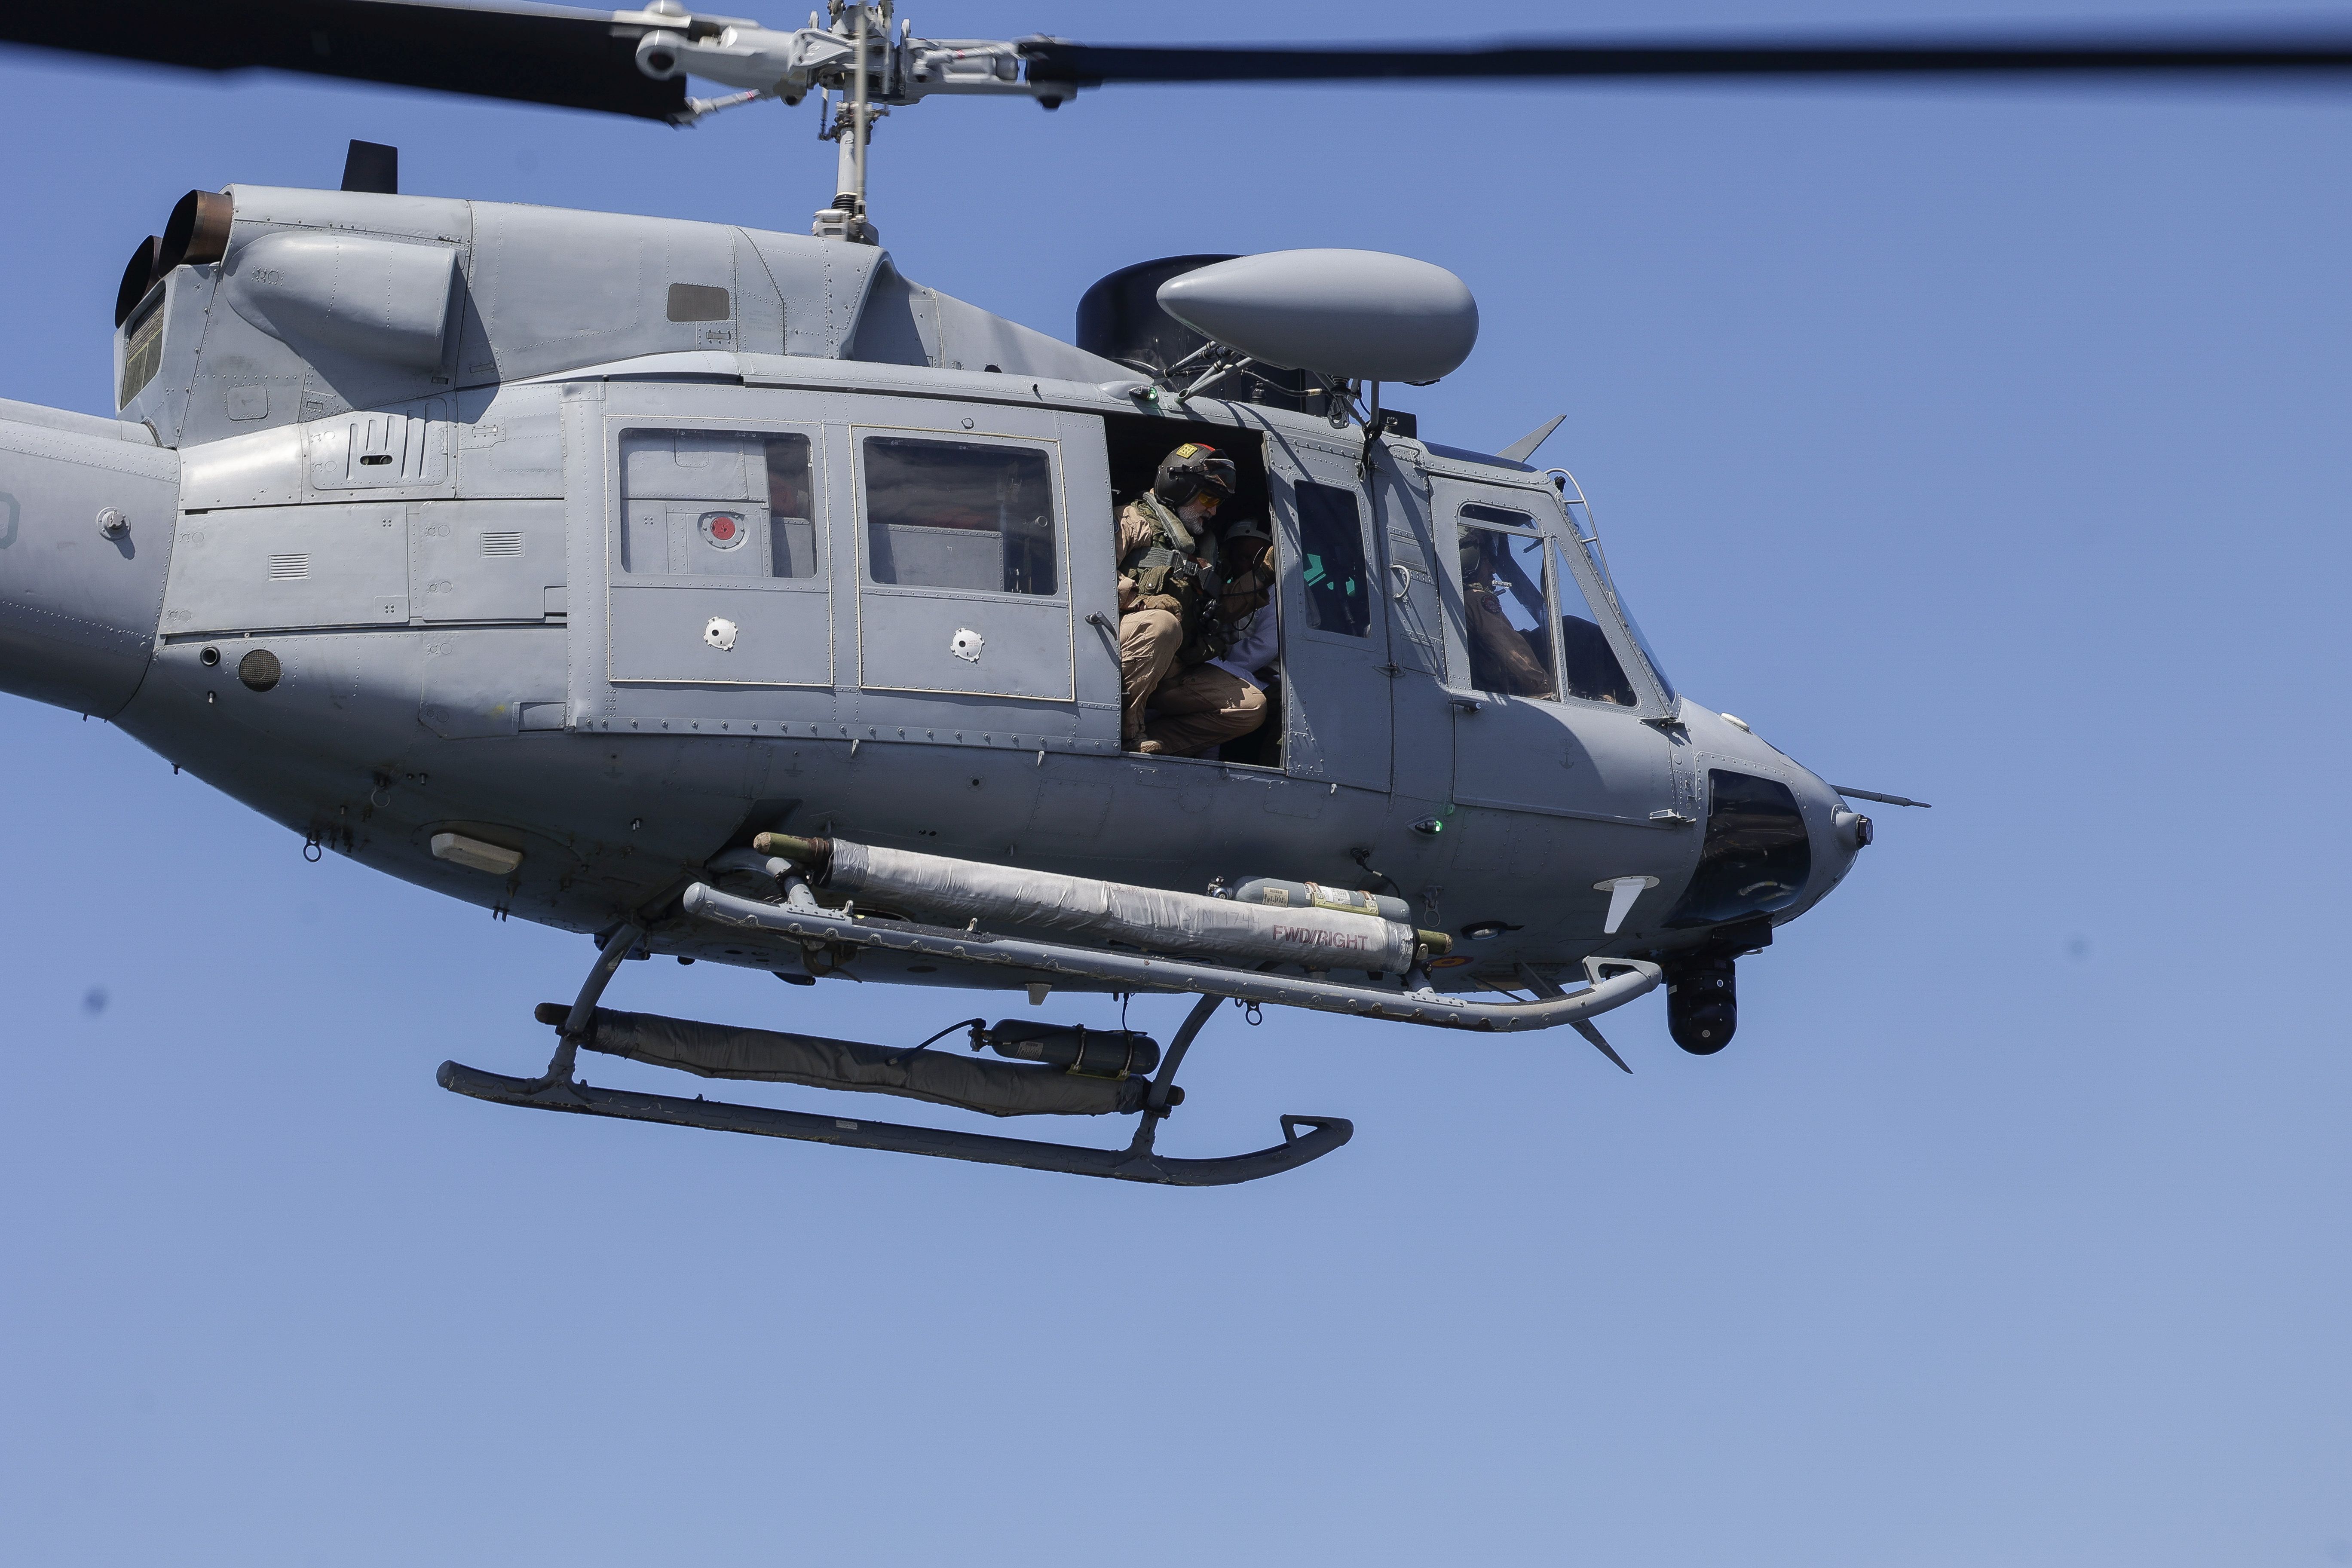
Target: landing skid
(1119, 1164)
(557, 1089)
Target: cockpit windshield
(1588, 534)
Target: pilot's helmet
(1247, 529)
(1190, 469)
(1247, 571)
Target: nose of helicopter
(1834, 833)
(1840, 830)
(87, 509)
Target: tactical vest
(1220, 625)
(1165, 567)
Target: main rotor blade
(1090, 64)
(534, 54)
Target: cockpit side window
(1533, 629)
(1506, 600)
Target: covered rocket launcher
(1261, 921)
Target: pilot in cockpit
(1504, 655)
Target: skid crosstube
(1118, 1164)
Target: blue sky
(1978, 444)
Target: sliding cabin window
(960, 514)
(716, 503)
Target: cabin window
(698, 302)
(142, 349)
(792, 508)
(1332, 552)
(966, 515)
(716, 503)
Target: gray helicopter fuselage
(433, 518)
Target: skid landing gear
(558, 1089)
(1328, 1133)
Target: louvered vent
(285, 568)
(503, 543)
(384, 447)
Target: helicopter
(727, 594)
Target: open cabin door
(1335, 635)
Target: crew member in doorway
(1167, 553)
(1219, 697)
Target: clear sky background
(1981, 444)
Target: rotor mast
(853, 125)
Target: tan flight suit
(1209, 704)
(1205, 706)
(1148, 641)
(1151, 625)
